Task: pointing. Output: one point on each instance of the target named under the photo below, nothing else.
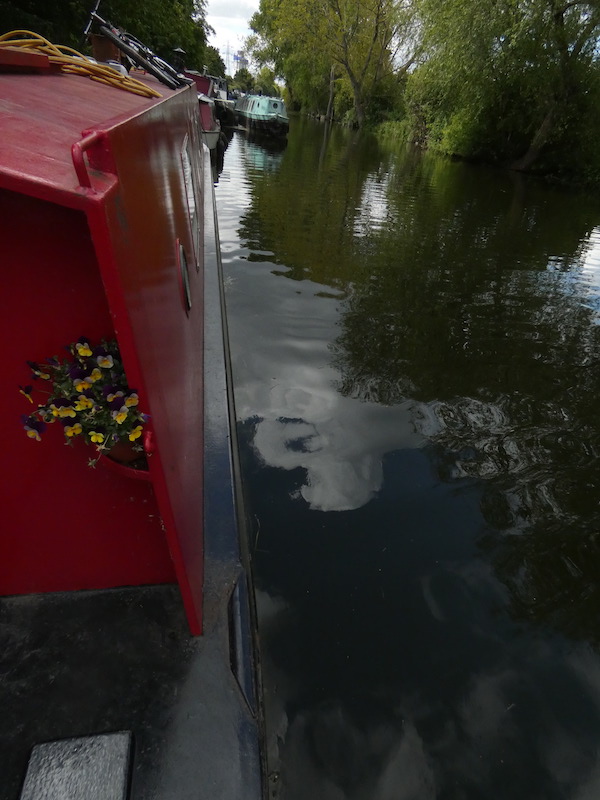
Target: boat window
(190, 182)
(184, 278)
(274, 105)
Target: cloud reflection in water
(303, 422)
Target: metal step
(86, 768)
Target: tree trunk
(538, 141)
(359, 106)
(329, 114)
(357, 90)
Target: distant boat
(260, 114)
(216, 89)
(211, 127)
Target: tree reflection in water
(452, 308)
(488, 325)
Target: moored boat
(216, 89)
(109, 230)
(262, 114)
(211, 127)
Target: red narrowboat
(109, 232)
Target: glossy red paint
(204, 83)
(208, 118)
(99, 191)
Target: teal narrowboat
(261, 114)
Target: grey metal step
(86, 768)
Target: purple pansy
(33, 426)
(75, 371)
(37, 371)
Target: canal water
(416, 359)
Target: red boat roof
(43, 115)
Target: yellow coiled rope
(71, 61)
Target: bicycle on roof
(137, 53)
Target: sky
(229, 18)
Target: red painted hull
(99, 192)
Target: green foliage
(161, 24)
(265, 83)
(243, 80)
(509, 81)
(214, 63)
(392, 133)
(304, 39)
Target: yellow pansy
(96, 436)
(83, 349)
(120, 415)
(136, 433)
(81, 384)
(82, 403)
(73, 430)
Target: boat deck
(78, 664)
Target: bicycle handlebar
(136, 52)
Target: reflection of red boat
(108, 230)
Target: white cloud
(230, 21)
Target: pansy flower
(61, 408)
(89, 396)
(83, 402)
(105, 361)
(81, 380)
(75, 371)
(33, 427)
(37, 371)
(26, 392)
(83, 348)
(72, 430)
(54, 405)
(81, 384)
(115, 395)
(119, 414)
(136, 433)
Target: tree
(243, 80)
(515, 81)
(362, 39)
(265, 83)
(214, 63)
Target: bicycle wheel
(150, 56)
(139, 59)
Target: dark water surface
(416, 355)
